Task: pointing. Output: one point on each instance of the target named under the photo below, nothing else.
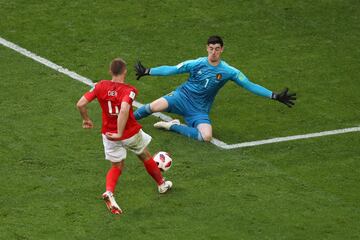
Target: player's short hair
(117, 66)
(214, 40)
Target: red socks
(153, 170)
(114, 173)
(111, 178)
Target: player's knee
(118, 165)
(206, 137)
(159, 105)
(144, 155)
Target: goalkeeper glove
(285, 97)
(141, 70)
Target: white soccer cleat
(165, 186)
(166, 125)
(111, 203)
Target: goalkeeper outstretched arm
(157, 71)
(284, 96)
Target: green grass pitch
(52, 172)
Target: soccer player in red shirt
(120, 131)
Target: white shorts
(115, 151)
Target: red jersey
(110, 96)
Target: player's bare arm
(121, 121)
(81, 105)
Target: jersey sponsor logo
(132, 95)
(218, 76)
(112, 93)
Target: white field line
(164, 117)
(289, 138)
(46, 62)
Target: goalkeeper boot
(165, 186)
(111, 203)
(166, 125)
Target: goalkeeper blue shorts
(179, 105)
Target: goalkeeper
(193, 99)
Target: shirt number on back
(112, 111)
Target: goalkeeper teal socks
(190, 132)
(142, 112)
(187, 131)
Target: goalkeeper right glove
(285, 97)
(141, 70)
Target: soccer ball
(163, 160)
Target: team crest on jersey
(218, 76)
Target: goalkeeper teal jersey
(205, 81)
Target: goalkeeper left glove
(141, 70)
(285, 97)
